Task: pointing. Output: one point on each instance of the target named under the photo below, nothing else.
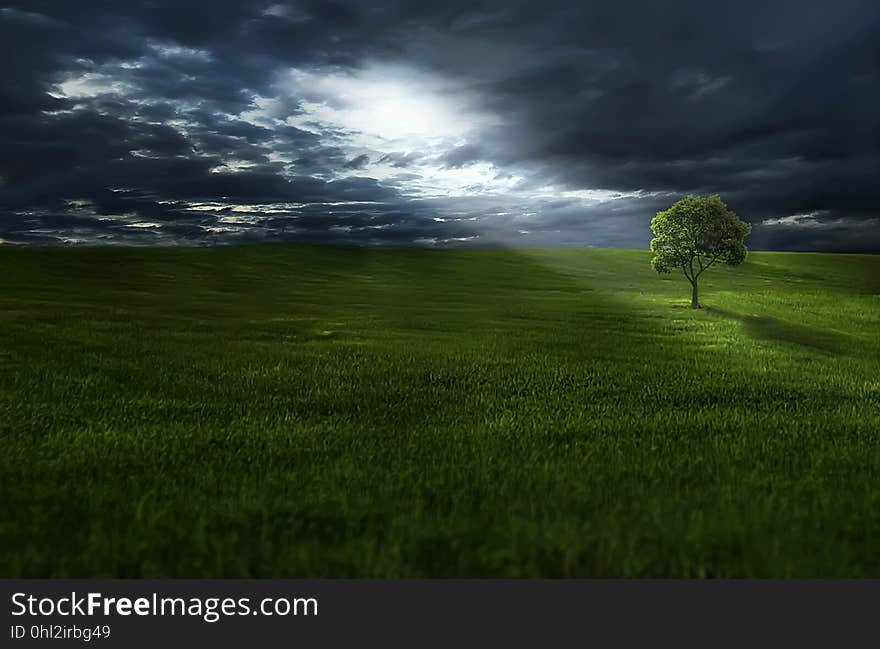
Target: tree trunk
(695, 301)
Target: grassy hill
(304, 411)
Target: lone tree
(694, 235)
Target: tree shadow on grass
(776, 330)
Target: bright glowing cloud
(383, 104)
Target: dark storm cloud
(771, 105)
(462, 155)
(358, 162)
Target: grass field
(300, 411)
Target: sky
(436, 123)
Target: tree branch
(711, 263)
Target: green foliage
(695, 234)
(300, 411)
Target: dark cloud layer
(176, 122)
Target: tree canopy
(695, 234)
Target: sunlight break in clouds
(399, 121)
(383, 105)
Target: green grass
(297, 411)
